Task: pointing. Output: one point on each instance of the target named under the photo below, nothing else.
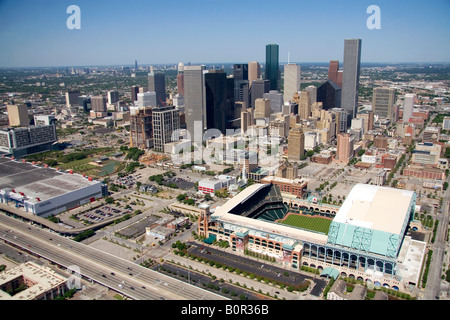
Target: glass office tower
(272, 71)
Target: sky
(34, 33)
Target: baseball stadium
(364, 239)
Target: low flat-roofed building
(45, 191)
(41, 282)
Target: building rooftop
(375, 207)
(38, 182)
(42, 279)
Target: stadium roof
(375, 207)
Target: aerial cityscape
(215, 161)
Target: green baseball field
(309, 223)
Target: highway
(123, 276)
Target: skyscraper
(272, 71)
(194, 99)
(134, 93)
(165, 121)
(333, 70)
(408, 106)
(98, 103)
(240, 76)
(18, 115)
(157, 83)
(276, 100)
(304, 105)
(383, 103)
(291, 80)
(72, 98)
(345, 143)
(262, 108)
(254, 71)
(113, 97)
(259, 87)
(329, 93)
(296, 144)
(350, 81)
(216, 100)
(180, 78)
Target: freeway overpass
(123, 276)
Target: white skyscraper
(408, 106)
(291, 80)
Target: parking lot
(101, 213)
(206, 282)
(249, 265)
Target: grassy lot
(310, 223)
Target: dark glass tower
(216, 100)
(157, 83)
(272, 71)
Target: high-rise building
(383, 103)
(98, 104)
(291, 80)
(341, 119)
(241, 83)
(165, 120)
(276, 100)
(195, 100)
(312, 93)
(157, 83)
(329, 93)
(345, 143)
(339, 78)
(18, 115)
(134, 93)
(304, 105)
(240, 72)
(262, 108)
(408, 106)
(272, 71)
(367, 115)
(113, 97)
(141, 129)
(216, 100)
(350, 81)
(180, 78)
(254, 71)
(72, 98)
(44, 120)
(259, 87)
(333, 70)
(296, 144)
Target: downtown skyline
(34, 34)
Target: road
(433, 288)
(137, 282)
